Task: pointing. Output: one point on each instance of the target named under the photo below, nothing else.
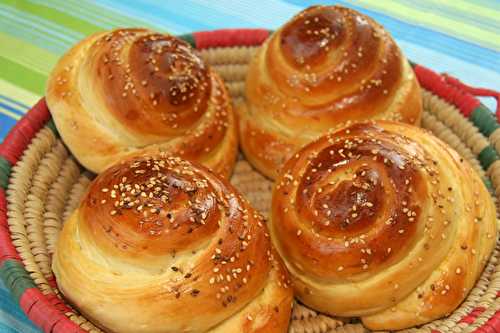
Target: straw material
(47, 184)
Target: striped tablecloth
(459, 37)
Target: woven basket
(41, 183)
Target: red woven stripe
(435, 331)
(436, 83)
(58, 303)
(230, 37)
(25, 129)
(491, 326)
(471, 317)
(7, 249)
(52, 281)
(475, 91)
(45, 314)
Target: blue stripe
(13, 101)
(146, 12)
(11, 109)
(7, 329)
(6, 124)
(35, 37)
(435, 40)
(11, 314)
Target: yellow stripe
(470, 7)
(9, 114)
(411, 15)
(17, 93)
(26, 54)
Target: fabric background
(459, 37)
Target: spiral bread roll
(327, 67)
(384, 221)
(120, 91)
(162, 245)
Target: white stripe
(40, 23)
(19, 109)
(32, 36)
(152, 21)
(18, 93)
(115, 18)
(9, 113)
(84, 14)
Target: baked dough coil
(384, 221)
(327, 67)
(119, 92)
(161, 245)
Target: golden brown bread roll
(119, 91)
(325, 68)
(384, 221)
(161, 245)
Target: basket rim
(18, 280)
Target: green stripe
(487, 156)
(489, 185)
(4, 172)
(22, 76)
(484, 119)
(52, 126)
(188, 38)
(15, 278)
(55, 16)
(105, 13)
(33, 57)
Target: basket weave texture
(41, 183)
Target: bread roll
(327, 67)
(384, 221)
(118, 92)
(162, 245)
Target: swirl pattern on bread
(384, 221)
(124, 91)
(174, 247)
(327, 67)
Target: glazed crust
(384, 221)
(327, 67)
(156, 238)
(119, 92)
